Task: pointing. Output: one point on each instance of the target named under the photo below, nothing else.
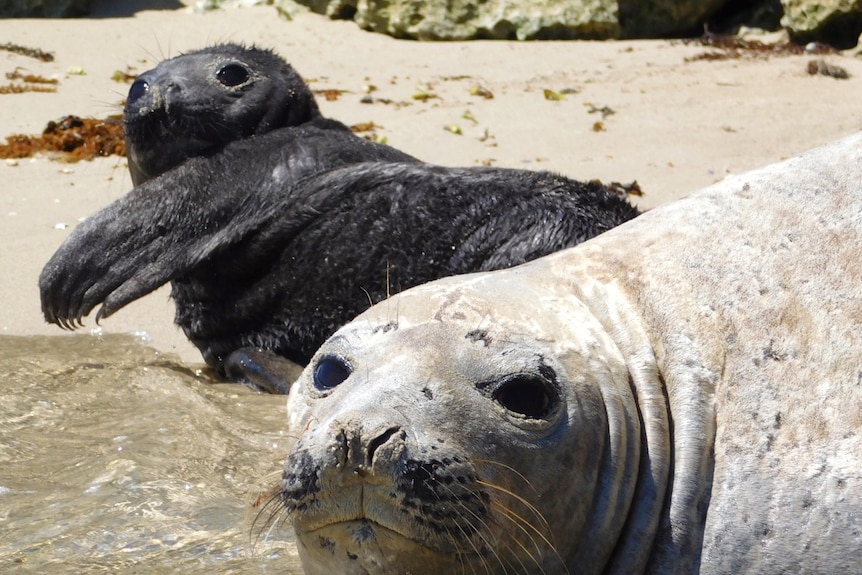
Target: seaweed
(30, 78)
(31, 52)
(330, 94)
(70, 139)
(728, 47)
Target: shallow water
(114, 457)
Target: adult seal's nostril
(356, 448)
(381, 440)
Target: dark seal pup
(274, 240)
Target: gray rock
(835, 22)
(521, 19)
(491, 19)
(43, 8)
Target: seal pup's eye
(138, 89)
(232, 75)
(525, 394)
(331, 371)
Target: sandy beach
(673, 121)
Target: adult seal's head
(194, 104)
(470, 429)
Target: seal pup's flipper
(155, 233)
(262, 370)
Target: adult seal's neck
(665, 522)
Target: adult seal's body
(290, 224)
(690, 406)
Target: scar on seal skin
(275, 225)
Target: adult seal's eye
(331, 371)
(527, 395)
(232, 75)
(138, 89)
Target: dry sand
(678, 124)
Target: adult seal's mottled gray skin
(679, 395)
(273, 240)
(196, 103)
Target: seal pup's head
(465, 426)
(196, 103)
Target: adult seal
(277, 236)
(690, 406)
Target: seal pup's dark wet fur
(273, 239)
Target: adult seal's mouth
(362, 546)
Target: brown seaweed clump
(71, 139)
(25, 51)
(28, 83)
(733, 47)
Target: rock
(834, 22)
(748, 17)
(204, 5)
(520, 19)
(662, 18)
(43, 8)
(491, 19)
